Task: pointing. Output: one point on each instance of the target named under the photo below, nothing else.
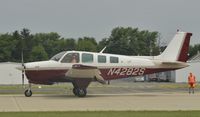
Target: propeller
(23, 69)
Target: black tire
(75, 90)
(28, 93)
(81, 92)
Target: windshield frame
(71, 55)
(58, 56)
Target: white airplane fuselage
(48, 72)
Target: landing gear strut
(28, 92)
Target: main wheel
(28, 93)
(81, 92)
(75, 90)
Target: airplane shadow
(65, 96)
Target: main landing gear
(80, 92)
(80, 86)
(28, 92)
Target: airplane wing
(84, 71)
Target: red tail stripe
(183, 56)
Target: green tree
(65, 44)
(131, 41)
(147, 43)
(27, 43)
(49, 41)
(87, 44)
(38, 53)
(16, 53)
(7, 45)
(126, 41)
(70, 44)
(118, 42)
(193, 50)
(103, 43)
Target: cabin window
(71, 58)
(114, 59)
(101, 59)
(87, 58)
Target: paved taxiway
(132, 101)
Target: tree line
(42, 46)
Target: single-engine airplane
(81, 68)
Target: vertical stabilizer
(177, 50)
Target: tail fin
(177, 50)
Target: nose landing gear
(28, 92)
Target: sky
(97, 18)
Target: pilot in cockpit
(74, 59)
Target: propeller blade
(23, 71)
(22, 78)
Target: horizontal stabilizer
(177, 64)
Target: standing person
(191, 82)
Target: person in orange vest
(191, 82)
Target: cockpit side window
(71, 58)
(57, 56)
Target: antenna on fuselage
(102, 50)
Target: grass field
(104, 114)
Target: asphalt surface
(140, 101)
(117, 96)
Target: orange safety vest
(191, 79)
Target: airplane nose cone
(37, 65)
(20, 68)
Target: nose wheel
(28, 92)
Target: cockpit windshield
(58, 56)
